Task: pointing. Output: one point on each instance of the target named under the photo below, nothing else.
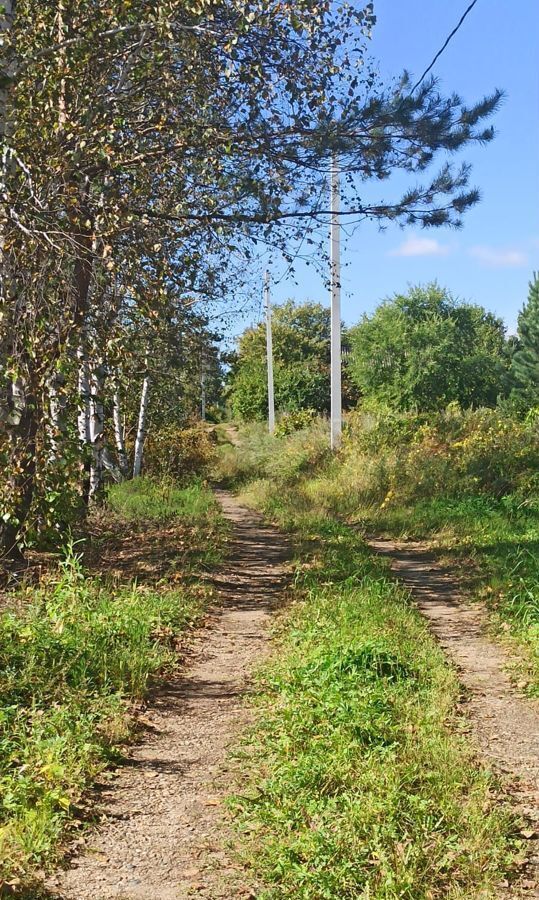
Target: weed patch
(148, 498)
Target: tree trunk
(21, 465)
(83, 418)
(141, 429)
(97, 428)
(119, 434)
(57, 427)
(7, 15)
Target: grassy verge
(146, 498)
(76, 657)
(358, 782)
(496, 543)
(465, 481)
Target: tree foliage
(147, 149)
(301, 349)
(424, 349)
(525, 360)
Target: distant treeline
(418, 351)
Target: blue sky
(489, 261)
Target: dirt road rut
(164, 835)
(504, 724)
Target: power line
(449, 39)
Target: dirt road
(164, 834)
(504, 724)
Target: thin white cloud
(498, 257)
(416, 246)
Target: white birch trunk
(97, 428)
(18, 400)
(83, 418)
(110, 465)
(141, 428)
(7, 15)
(57, 408)
(119, 434)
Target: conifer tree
(525, 363)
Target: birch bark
(97, 429)
(83, 417)
(57, 408)
(119, 434)
(7, 15)
(141, 428)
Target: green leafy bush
(425, 349)
(180, 453)
(294, 421)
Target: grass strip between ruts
(357, 781)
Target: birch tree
(145, 134)
(141, 426)
(119, 434)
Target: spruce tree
(525, 364)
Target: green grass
(420, 483)
(147, 498)
(496, 541)
(75, 657)
(358, 783)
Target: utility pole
(269, 353)
(203, 387)
(335, 290)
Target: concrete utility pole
(335, 289)
(269, 353)
(202, 387)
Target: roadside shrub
(390, 459)
(499, 454)
(294, 421)
(57, 503)
(179, 453)
(455, 452)
(373, 427)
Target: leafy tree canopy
(301, 363)
(425, 349)
(148, 148)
